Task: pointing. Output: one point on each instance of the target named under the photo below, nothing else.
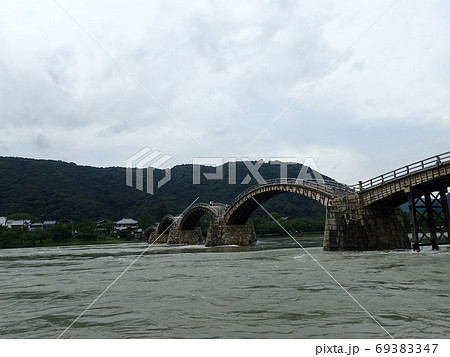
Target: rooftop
(127, 221)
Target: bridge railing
(403, 171)
(216, 206)
(333, 188)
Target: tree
(86, 230)
(125, 234)
(146, 219)
(160, 210)
(406, 220)
(275, 215)
(12, 238)
(61, 232)
(204, 222)
(108, 228)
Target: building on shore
(48, 224)
(125, 223)
(37, 226)
(18, 223)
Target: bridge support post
(220, 233)
(158, 238)
(430, 218)
(443, 193)
(414, 230)
(350, 226)
(431, 221)
(182, 236)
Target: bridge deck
(393, 188)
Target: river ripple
(271, 290)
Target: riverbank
(295, 235)
(67, 243)
(108, 240)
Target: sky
(94, 82)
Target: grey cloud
(118, 129)
(58, 64)
(41, 142)
(225, 70)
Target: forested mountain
(60, 190)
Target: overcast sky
(225, 70)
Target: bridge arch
(192, 216)
(165, 223)
(244, 205)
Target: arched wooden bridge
(359, 217)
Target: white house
(3, 221)
(125, 223)
(19, 223)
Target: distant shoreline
(73, 243)
(297, 234)
(118, 241)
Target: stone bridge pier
(220, 233)
(184, 236)
(351, 226)
(158, 238)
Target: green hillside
(60, 190)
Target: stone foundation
(161, 240)
(350, 226)
(178, 236)
(222, 234)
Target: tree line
(56, 190)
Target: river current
(271, 290)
